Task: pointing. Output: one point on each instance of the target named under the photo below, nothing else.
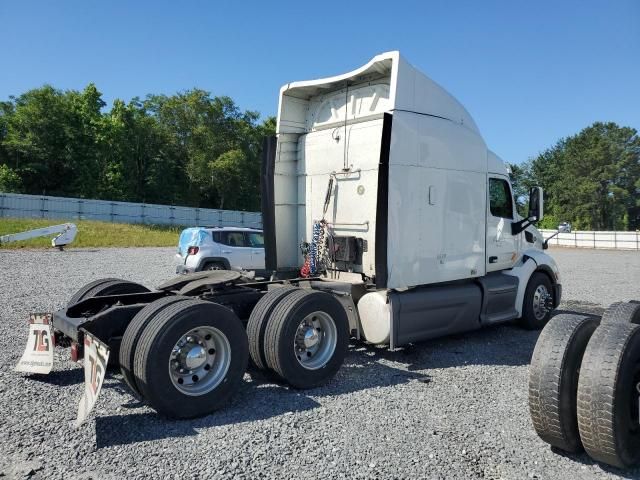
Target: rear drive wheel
(306, 338)
(132, 336)
(106, 286)
(257, 325)
(608, 395)
(190, 358)
(622, 312)
(553, 379)
(538, 302)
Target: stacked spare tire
(584, 384)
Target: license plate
(38, 354)
(96, 356)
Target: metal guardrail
(38, 206)
(593, 239)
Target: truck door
(501, 244)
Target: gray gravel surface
(598, 276)
(450, 408)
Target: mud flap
(38, 354)
(96, 356)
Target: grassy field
(94, 234)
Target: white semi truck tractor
(393, 170)
(386, 219)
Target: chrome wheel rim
(199, 361)
(541, 299)
(315, 340)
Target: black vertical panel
(269, 146)
(382, 205)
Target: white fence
(590, 239)
(36, 206)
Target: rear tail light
(193, 250)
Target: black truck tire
(257, 325)
(553, 379)
(132, 336)
(106, 286)
(163, 373)
(535, 311)
(81, 293)
(622, 312)
(608, 399)
(607, 395)
(313, 316)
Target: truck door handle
(493, 259)
(226, 251)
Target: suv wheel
(213, 266)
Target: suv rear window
(233, 239)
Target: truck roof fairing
(410, 90)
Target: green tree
(36, 141)
(228, 173)
(249, 195)
(203, 128)
(521, 183)
(84, 122)
(592, 179)
(140, 162)
(9, 180)
(164, 149)
(51, 140)
(6, 110)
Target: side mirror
(536, 204)
(564, 227)
(536, 211)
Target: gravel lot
(451, 408)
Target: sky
(529, 72)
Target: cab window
(500, 202)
